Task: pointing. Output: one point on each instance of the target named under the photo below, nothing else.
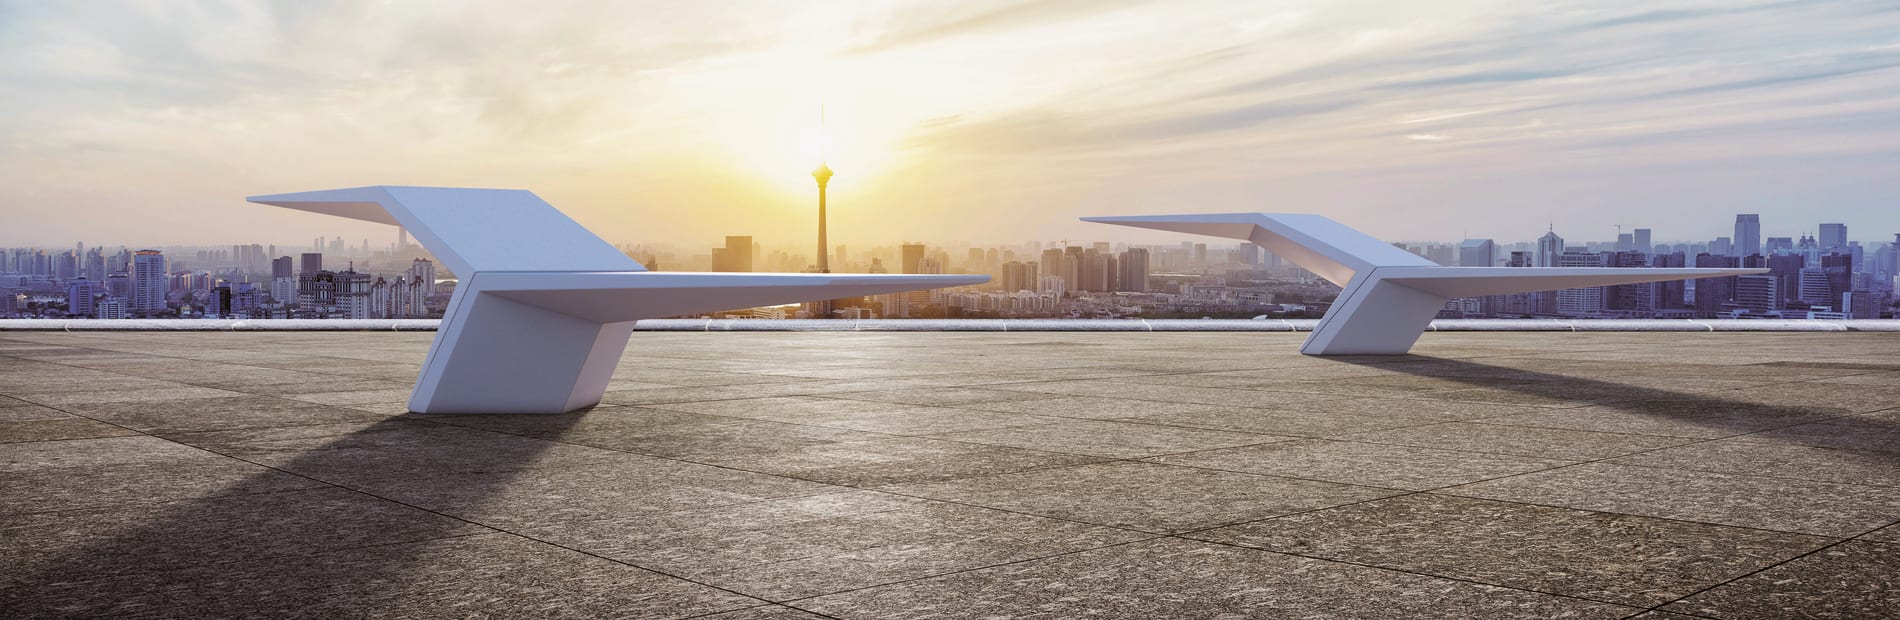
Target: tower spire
(823, 175)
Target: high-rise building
(1860, 304)
(9, 303)
(1642, 241)
(112, 308)
(913, 256)
(80, 293)
(1673, 293)
(1051, 262)
(353, 294)
(1549, 247)
(218, 303)
(1477, 253)
(1629, 297)
(1778, 245)
(735, 257)
(1249, 254)
(1580, 301)
(1786, 270)
(1018, 276)
(422, 272)
(1135, 270)
(1758, 293)
(1747, 240)
(1839, 270)
(1054, 285)
(1711, 294)
(149, 282)
(312, 263)
(1833, 237)
(1096, 271)
(1815, 290)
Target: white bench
(544, 307)
(1388, 295)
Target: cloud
(1021, 112)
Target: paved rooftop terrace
(923, 475)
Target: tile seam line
(874, 489)
(1637, 608)
(494, 528)
(1837, 543)
(1441, 491)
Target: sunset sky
(148, 122)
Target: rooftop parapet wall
(982, 325)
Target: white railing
(983, 325)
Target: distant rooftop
(961, 474)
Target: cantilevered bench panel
(1388, 296)
(472, 230)
(545, 307)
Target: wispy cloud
(636, 115)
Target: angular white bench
(544, 307)
(1388, 295)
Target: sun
(779, 146)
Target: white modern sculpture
(544, 308)
(1388, 295)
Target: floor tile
(627, 485)
(1518, 440)
(1089, 407)
(1144, 496)
(1701, 419)
(353, 453)
(1851, 580)
(1398, 467)
(493, 575)
(73, 545)
(1285, 422)
(88, 473)
(1110, 439)
(794, 548)
(1766, 503)
(1622, 559)
(1754, 458)
(53, 429)
(1181, 579)
(943, 397)
(890, 461)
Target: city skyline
(1406, 120)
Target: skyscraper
(1747, 240)
(1642, 241)
(1135, 270)
(913, 254)
(1833, 237)
(79, 296)
(1786, 270)
(1758, 293)
(422, 271)
(1580, 301)
(149, 284)
(312, 262)
(735, 257)
(1477, 253)
(1549, 247)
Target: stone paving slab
(752, 475)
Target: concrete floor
(924, 475)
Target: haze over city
(148, 124)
